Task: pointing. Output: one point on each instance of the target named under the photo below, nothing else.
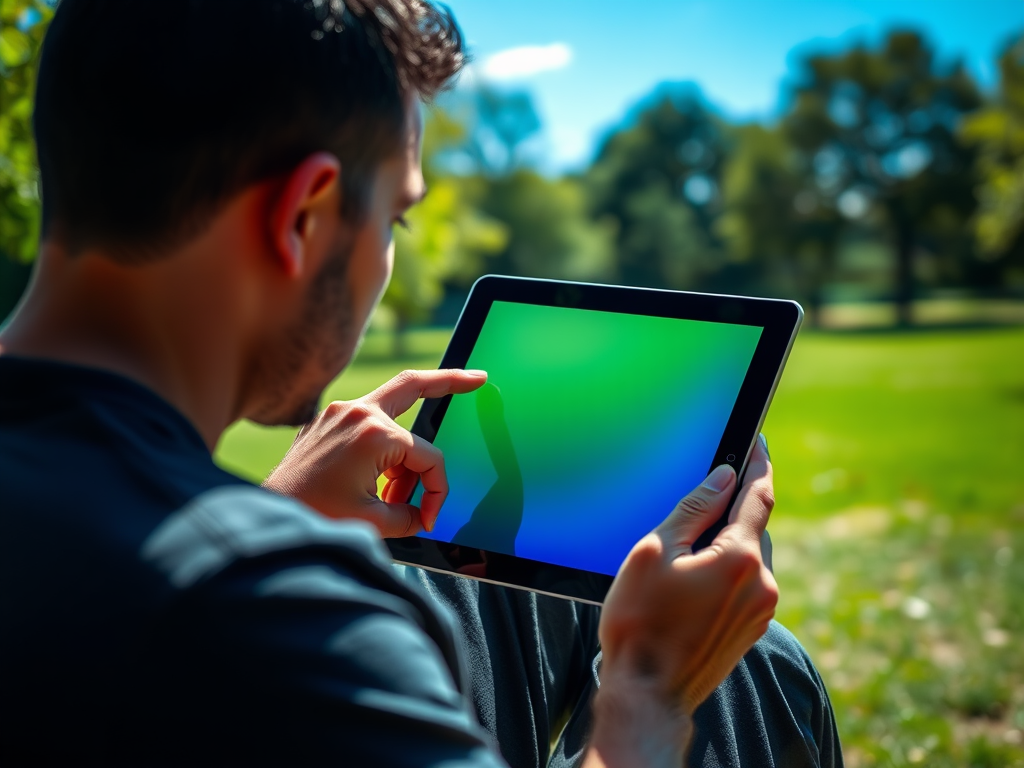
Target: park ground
(898, 532)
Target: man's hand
(676, 623)
(335, 461)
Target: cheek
(383, 259)
(372, 262)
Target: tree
(22, 24)
(550, 232)
(497, 125)
(657, 179)
(447, 239)
(774, 218)
(546, 221)
(998, 133)
(879, 127)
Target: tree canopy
(22, 24)
(997, 131)
(888, 145)
(879, 129)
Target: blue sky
(598, 57)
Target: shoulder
(266, 575)
(235, 522)
(296, 624)
(242, 545)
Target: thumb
(697, 512)
(394, 521)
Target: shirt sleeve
(302, 647)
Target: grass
(899, 538)
(899, 530)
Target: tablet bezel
(780, 320)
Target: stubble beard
(313, 350)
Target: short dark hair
(151, 114)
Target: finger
(394, 521)
(760, 462)
(427, 461)
(399, 490)
(396, 471)
(398, 478)
(756, 498)
(392, 475)
(697, 511)
(401, 393)
(766, 551)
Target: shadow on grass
(1015, 395)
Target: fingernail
(719, 480)
(478, 374)
(764, 444)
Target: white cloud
(526, 60)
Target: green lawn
(899, 530)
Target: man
(220, 180)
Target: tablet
(604, 405)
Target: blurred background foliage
(887, 195)
(890, 177)
(22, 24)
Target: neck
(92, 311)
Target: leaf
(15, 47)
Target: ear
(294, 211)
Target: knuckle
(744, 563)
(360, 411)
(334, 409)
(768, 589)
(764, 494)
(646, 553)
(691, 505)
(347, 414)
(438, 457)
(383, 434)
(408, 376)
(410, 525)
(763, 600)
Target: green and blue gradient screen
(591, 427)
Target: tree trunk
(814, 304)
(399, 348)
(904, 270)
(819, 275)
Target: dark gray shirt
(158, 611)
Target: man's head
(153, 119)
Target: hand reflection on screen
(495, 522)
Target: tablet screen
(591, 427)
